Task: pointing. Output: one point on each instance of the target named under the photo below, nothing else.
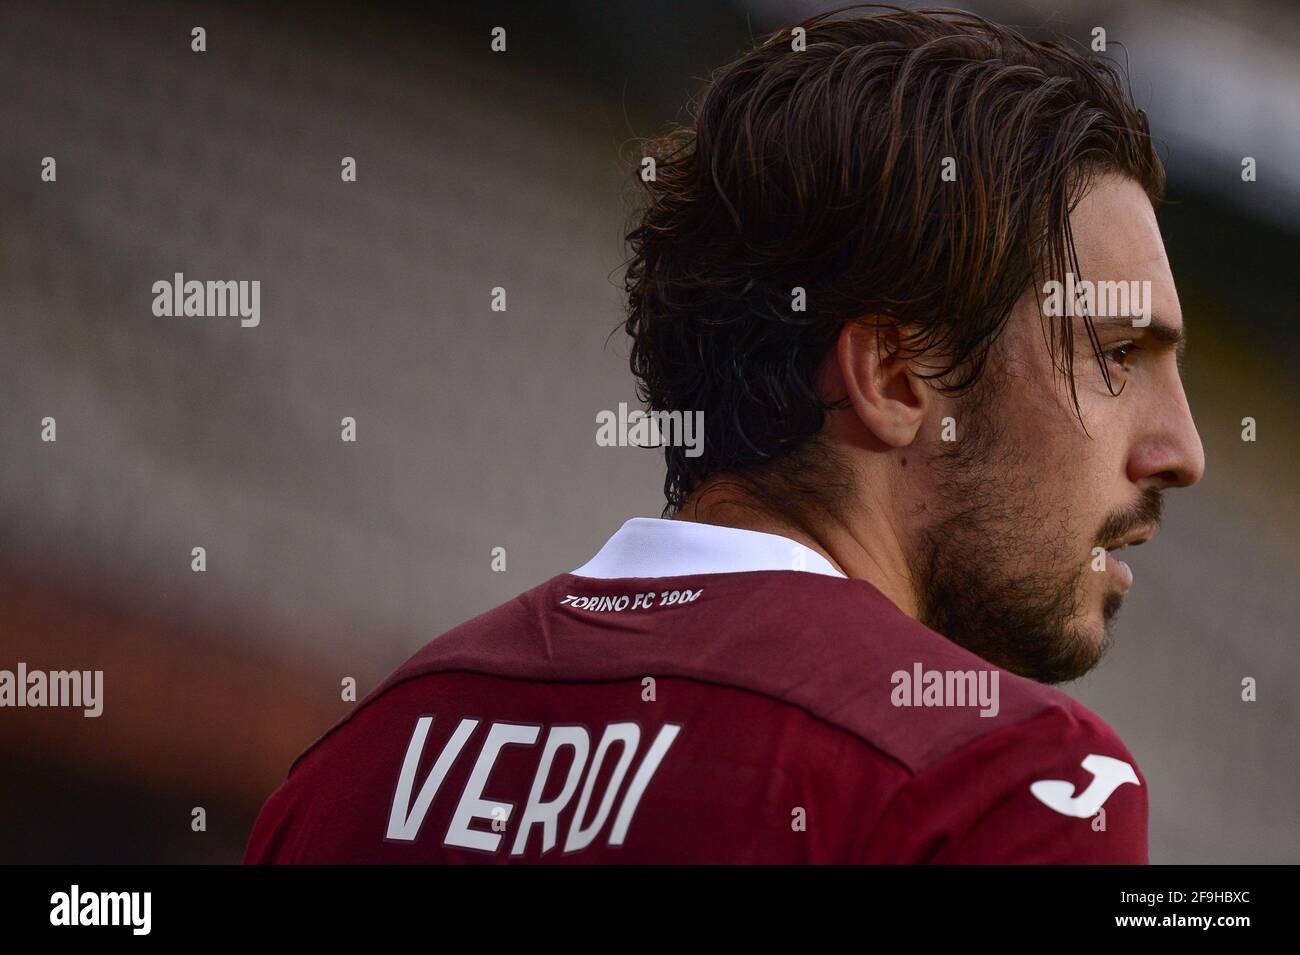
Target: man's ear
(887, 397)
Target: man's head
(915, 181)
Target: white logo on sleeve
(1108, 775)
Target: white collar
(654, 547)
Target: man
(907, 266)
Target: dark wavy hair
(820, 168)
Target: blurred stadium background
(476, 428)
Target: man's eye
(1121, 353)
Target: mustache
(1147, 511)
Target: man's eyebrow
(1159, 331)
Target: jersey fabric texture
(758, 707)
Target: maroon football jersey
(763, 716)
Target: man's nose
(1171, 452)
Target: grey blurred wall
(475, 428)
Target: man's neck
(871, 553)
